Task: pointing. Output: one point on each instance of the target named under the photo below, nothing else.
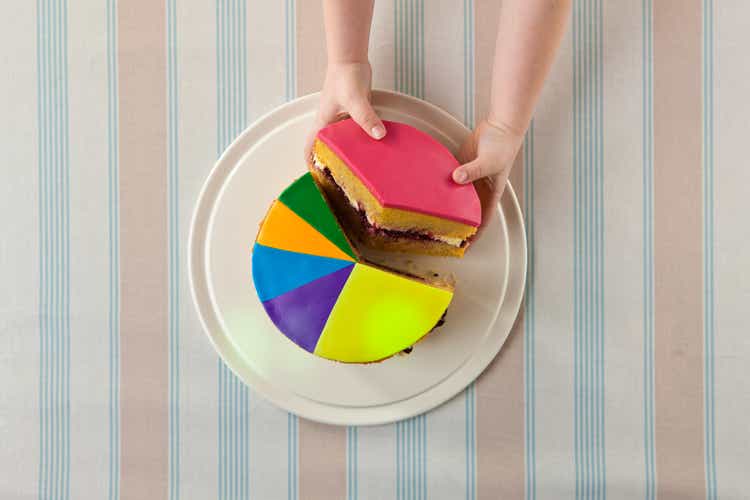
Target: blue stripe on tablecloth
(245, 404)
(409, 70)
(530, 319)
(54, 249)
(290, 49)
(648, 252)
(114, 253)
(352, 444)
(398, 460)
(413, 50)
(469, 63)
(66, 312)
(411, 458)
(290, 30)
(588, 246)
(708, 247)
(470, 393)
(471, 438)
(219, 148)
(398, 45)
(423, 460)
(60, 193)
(356, 464)
(600, 214)
(231, 118)
(174, 251)
(412, 47)
(576, 132)
(409, 47)
(421, 48)
(67, 250)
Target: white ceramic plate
(258, 165)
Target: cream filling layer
(320, 166)
(456, 242)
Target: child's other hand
(487, 156)
(346, 91)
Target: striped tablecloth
(625, 376)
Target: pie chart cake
(395, 194)
(324, 298)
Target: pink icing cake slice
(407, 169)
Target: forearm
(347, 27)
(529, 33)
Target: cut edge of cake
(376, 226)
(301, 197)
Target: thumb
(310, 138)
(326, 114)
(470, 172)
(363, 114)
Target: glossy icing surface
(276, 272)
(302, 313)
(304, 199)
(407, 169)
(285, 230)
(390, 312)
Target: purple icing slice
(302, 313)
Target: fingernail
(378, 132)
(460, 176)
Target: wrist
(347, 62)
(506, 127)
(499, 141)
(338, 69)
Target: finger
(326, 114)
(363, 114)
(470, 172)
(468, 149)
(309, 141)
(490, 206)
(490, 191)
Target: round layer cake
(323, 297)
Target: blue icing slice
(276, 272)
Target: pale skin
(529, 32)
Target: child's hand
(487, 156)
(346, 91)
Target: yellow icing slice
(285, 230)
(379, 314)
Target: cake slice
(397, 193)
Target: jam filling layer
(381, 231)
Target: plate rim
(425, 401)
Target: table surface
(624, 375)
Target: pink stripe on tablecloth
(322, 461)
(678, 250)
(486, 15)
(311, 47)
(143, 248)
(322, 448)
(500, 406)
(500, 398)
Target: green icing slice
(304, 199)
